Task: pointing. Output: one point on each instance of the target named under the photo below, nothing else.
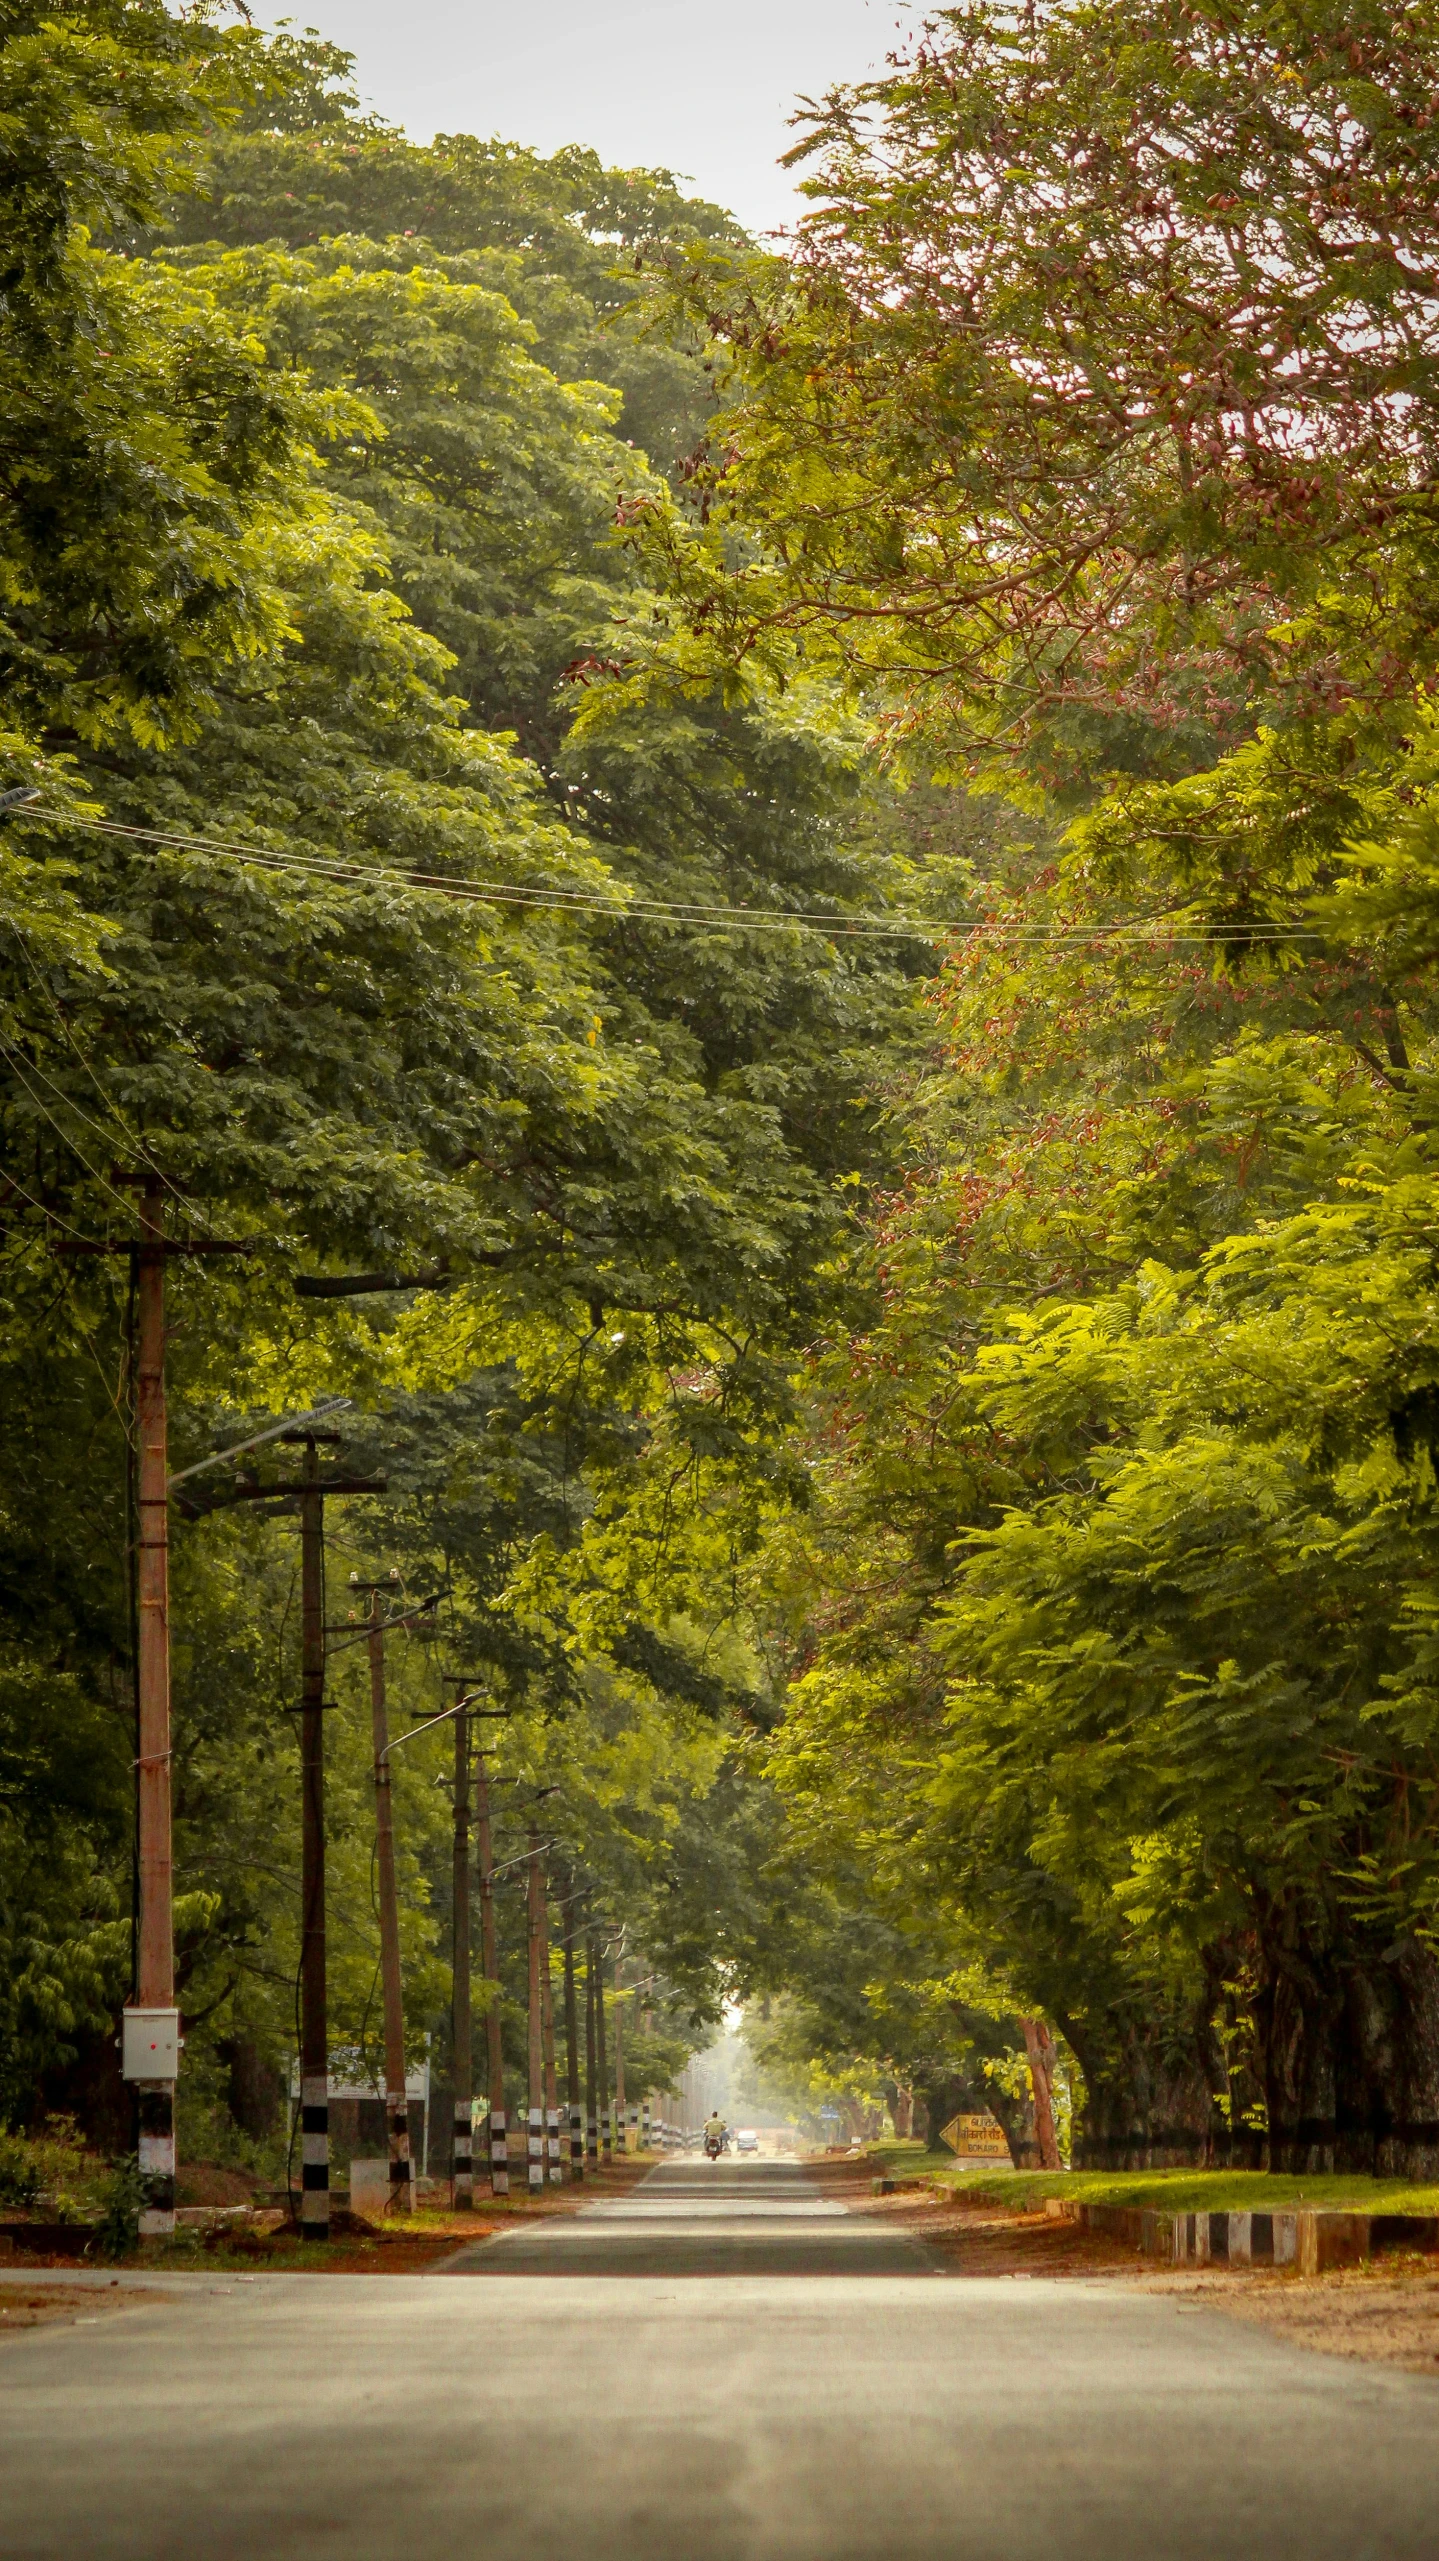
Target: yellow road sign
(977, 2137)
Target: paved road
(703, 2218)
(856, 2411)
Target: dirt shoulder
(266, 2242)
(408, 2246)
(1384, 2313)
(32, 2307)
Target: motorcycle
(714, 2145)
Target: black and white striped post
(645, 2126)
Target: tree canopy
(793, 901)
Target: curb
(1310, 2238)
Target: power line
(859, 927)
(133, 1140)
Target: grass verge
(1190, 2191)
(1170, 2191)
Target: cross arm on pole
(284, 1495)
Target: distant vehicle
(746, 2140)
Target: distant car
(746, 2140)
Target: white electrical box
(150, 2049)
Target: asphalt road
(603, 2392)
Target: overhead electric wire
(132, 1138)
(861, 927)
(19, 1071)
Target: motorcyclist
(716, 2131)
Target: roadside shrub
(119, 2228)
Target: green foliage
(51, 2169)
(118, 2231)
(336, 919)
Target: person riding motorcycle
(716, 2133)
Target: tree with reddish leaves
(1100, 403)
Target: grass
(1193, 2191)
(900, 2159)
(1171, 2191)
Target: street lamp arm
(294, 1422)
(443, 1718)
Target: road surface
(721, 2366)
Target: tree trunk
(1349, 2029)
(1146, 2094)
(1297, 2010)
(1386, 2098)
(1039, 2046)
(257, 2087)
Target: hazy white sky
(703, 91)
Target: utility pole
(547, 2021)
(314, 2012)
(499, 2147)
(462, 2183)
(592, 2104)
(397, 2106)
(606, 2126)
(155, 1954)
(536, 2029)
(621, 2136)
(308, 1498)
(150, 2027)
(572, 2049)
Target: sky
(705, 92)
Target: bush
(52, 2167)
(123, 2203)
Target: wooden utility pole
(606, 2123)
(155, 1949)
(621, 2136)
(308, 1497)
(462, 2181)
(572, 2049)
(314, 2011)
(592, 2103)
(499, 2148)
(397, 2106)
(150, 2042)
(547, 2021)
(536, 2103)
